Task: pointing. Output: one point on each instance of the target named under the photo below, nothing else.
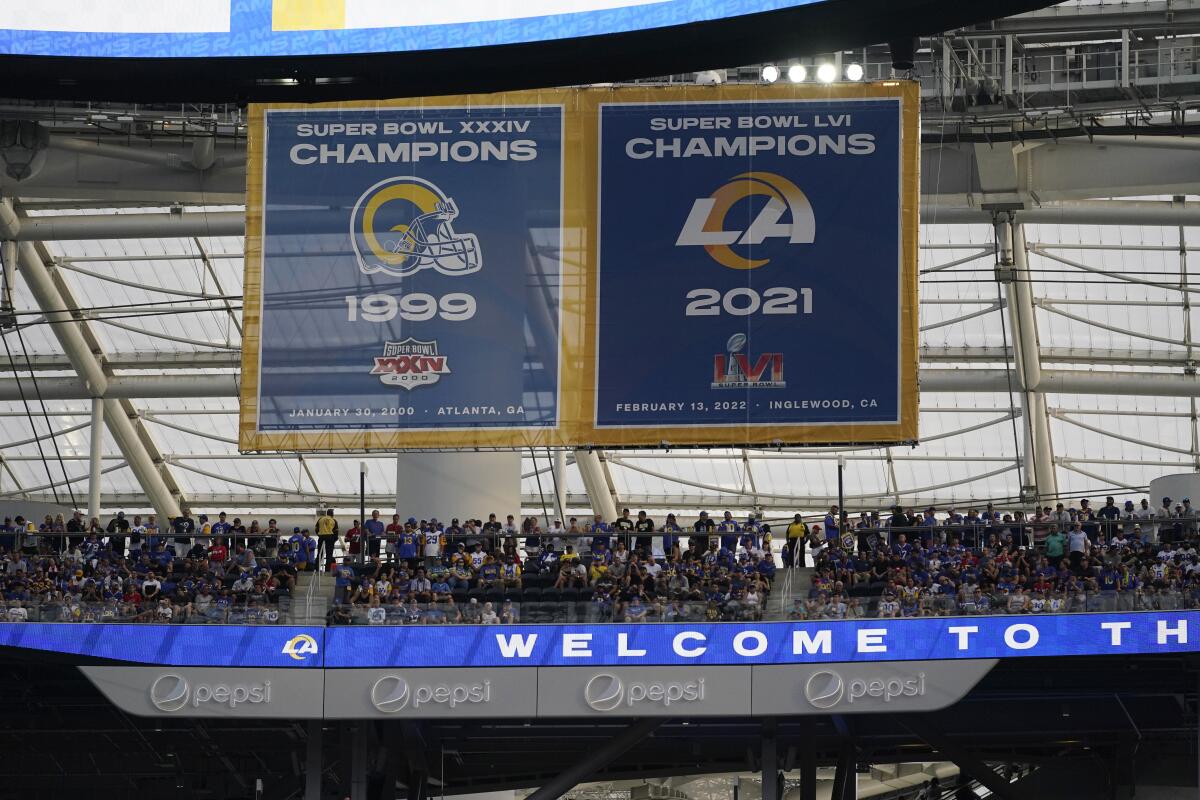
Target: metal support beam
(967, 762)
(202, 157)
(1064, 382)
(932, 380)
(81, 348)
(770, 762)
(126, 226)
(595, 760)
(141, 386)
(1088, 212)
(96, 431)
(313, 766)
(808, 768)
(393, 745)
(560, 484)
(358, 760)
(1038, 464)
(956, 212)
(845, 779)
(596, 484)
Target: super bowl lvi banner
(756, 275)
(409, 259)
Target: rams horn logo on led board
(301, 647)
(705, 225)
(404, 224)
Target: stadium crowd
(631, 569)
(132, 570)
(1056, 560)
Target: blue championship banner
(648, 644)
(403, 274)
(756, 266)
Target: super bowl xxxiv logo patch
(410, 364)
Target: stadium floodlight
(770, 73)
(797, 73)
(827, 73)
(854, 72)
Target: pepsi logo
(390, 694)
(824, 689)
(604, 692)
(169, 692)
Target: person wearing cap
(1110, 514)
(793, 548)
(644, 526)
(1144, 515)
(703, 527)
(670, 540)
(298, 543)
(117, 529)
(1163, 514)
(1188, 515)
(555, 536)
(1128, 520)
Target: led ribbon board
(650, 644)
(249, 28)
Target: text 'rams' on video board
(701, 265)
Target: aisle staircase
(789, 584)
(312, 598)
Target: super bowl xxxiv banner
(410, 271)
(689, 265)
(753, 267)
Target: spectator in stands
(374, 530)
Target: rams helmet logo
(403, 225)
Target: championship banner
(614, 267)
(757, 265)
(405, 258)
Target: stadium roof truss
(1061, 215)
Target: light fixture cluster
(826, 72)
